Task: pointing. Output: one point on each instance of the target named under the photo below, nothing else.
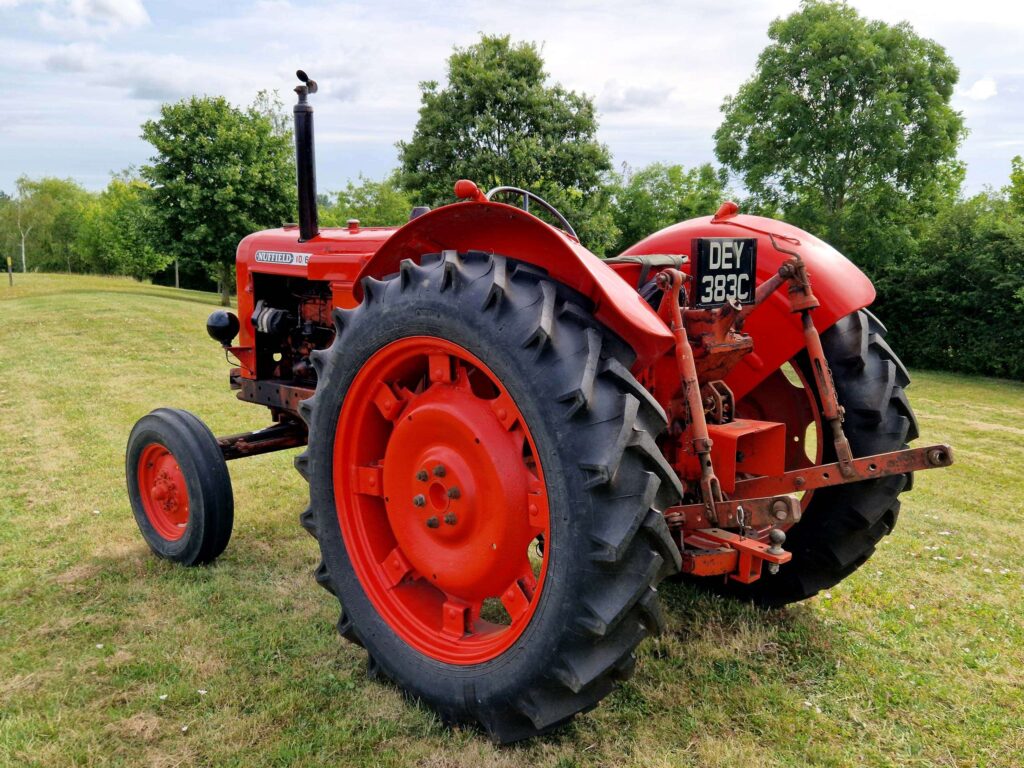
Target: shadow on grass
(722, 666)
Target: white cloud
(658, 69)
(618, 98)
(91, 18)
(76, 57)
(128, 13)
(981, 90)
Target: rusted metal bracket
(278, 437)
(275, 393)
(715, 552)
(738, 513)
(671, 283)
(803, 301)
(866, 468)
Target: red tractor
(510, 442)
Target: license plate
(724, 269)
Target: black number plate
(724, 269)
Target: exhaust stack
(305, 159)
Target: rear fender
(509, 231)
(839, 285)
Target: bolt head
(454, 492)
(422, 476)
(433, 522)
(780, 509)
(419, 500)
(439, 471)
(451, 519)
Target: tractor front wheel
(179, 487)
(486, 492)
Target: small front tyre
(179, 487)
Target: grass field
(109, 656)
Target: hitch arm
(739, 513)
(866, 468)
(765, 501)
(671, 282)
(715, 552)
(762, 503)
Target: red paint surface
(164, 491)
(426, 555)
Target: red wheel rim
(441, 500)
(164, 491)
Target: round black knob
(222, 326)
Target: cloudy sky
(77, 77)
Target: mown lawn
(111, 657)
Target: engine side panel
(273, 265)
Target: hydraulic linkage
(761, 508)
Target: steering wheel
(527, 196)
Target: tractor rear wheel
(486, 492)
(179, 487)
(841, 525)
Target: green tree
(659, 195)
(20, 218)
(498, 121)
(50, 210)
(846, 123)
(8, 232)
(219, 174)
(1017, 184)
(374, 203)
(958, 304)
(120, 231)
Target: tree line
(845, 128)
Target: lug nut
(439, 470)
(450, 518)
(419, 500)
(422, 475)
(454, 493)
(432, 522)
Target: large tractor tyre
(842, 524)
(486, 491)
(179, 487)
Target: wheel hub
(440, 499)
(164, 491)
(458, 526)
